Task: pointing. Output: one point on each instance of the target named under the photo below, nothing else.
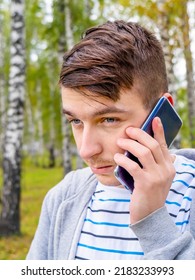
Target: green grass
(35, 184)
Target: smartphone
(171, 123)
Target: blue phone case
(171, 123)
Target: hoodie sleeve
(161, 240)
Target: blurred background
(37, 147)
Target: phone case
(171, 123)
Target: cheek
(111, 143)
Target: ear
(169, 97)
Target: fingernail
(159, 121)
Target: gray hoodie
(63, 212)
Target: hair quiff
(113, 56)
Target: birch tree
(4, 65)
(2, 82)
(164, 27)
(65, 40)
(10, 216)
(189, 69)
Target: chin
(108, 180)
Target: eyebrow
(104, 111)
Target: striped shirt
(106, 233)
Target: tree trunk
(65, 41)
(164, 26)
(52, 154)
(2, 88)
(189, 72)
(14, 128)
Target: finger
(148, 141)
(160, 136)
(140, 151)
(131, 166)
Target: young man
(110, 81)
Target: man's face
(97, 123)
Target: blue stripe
(188, 198)
(115, 199)
(172, 202)
(111, 250)
(184, 172)
(181, 223)
(187, 164)
(181, 181)
(105, 223)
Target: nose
(90, 143)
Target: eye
(75, 122)
(110, 120)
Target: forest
(33, 132)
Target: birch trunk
(14, 128)
(70, 44)
(2, 87)
(189, 72)
(51, 147)
(65, 40)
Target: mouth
(106, 169)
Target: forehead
(76, 103)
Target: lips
(106, 169)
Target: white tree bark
(15, 122)
(2, 87)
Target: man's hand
(153, 181)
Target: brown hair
(113, 56)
